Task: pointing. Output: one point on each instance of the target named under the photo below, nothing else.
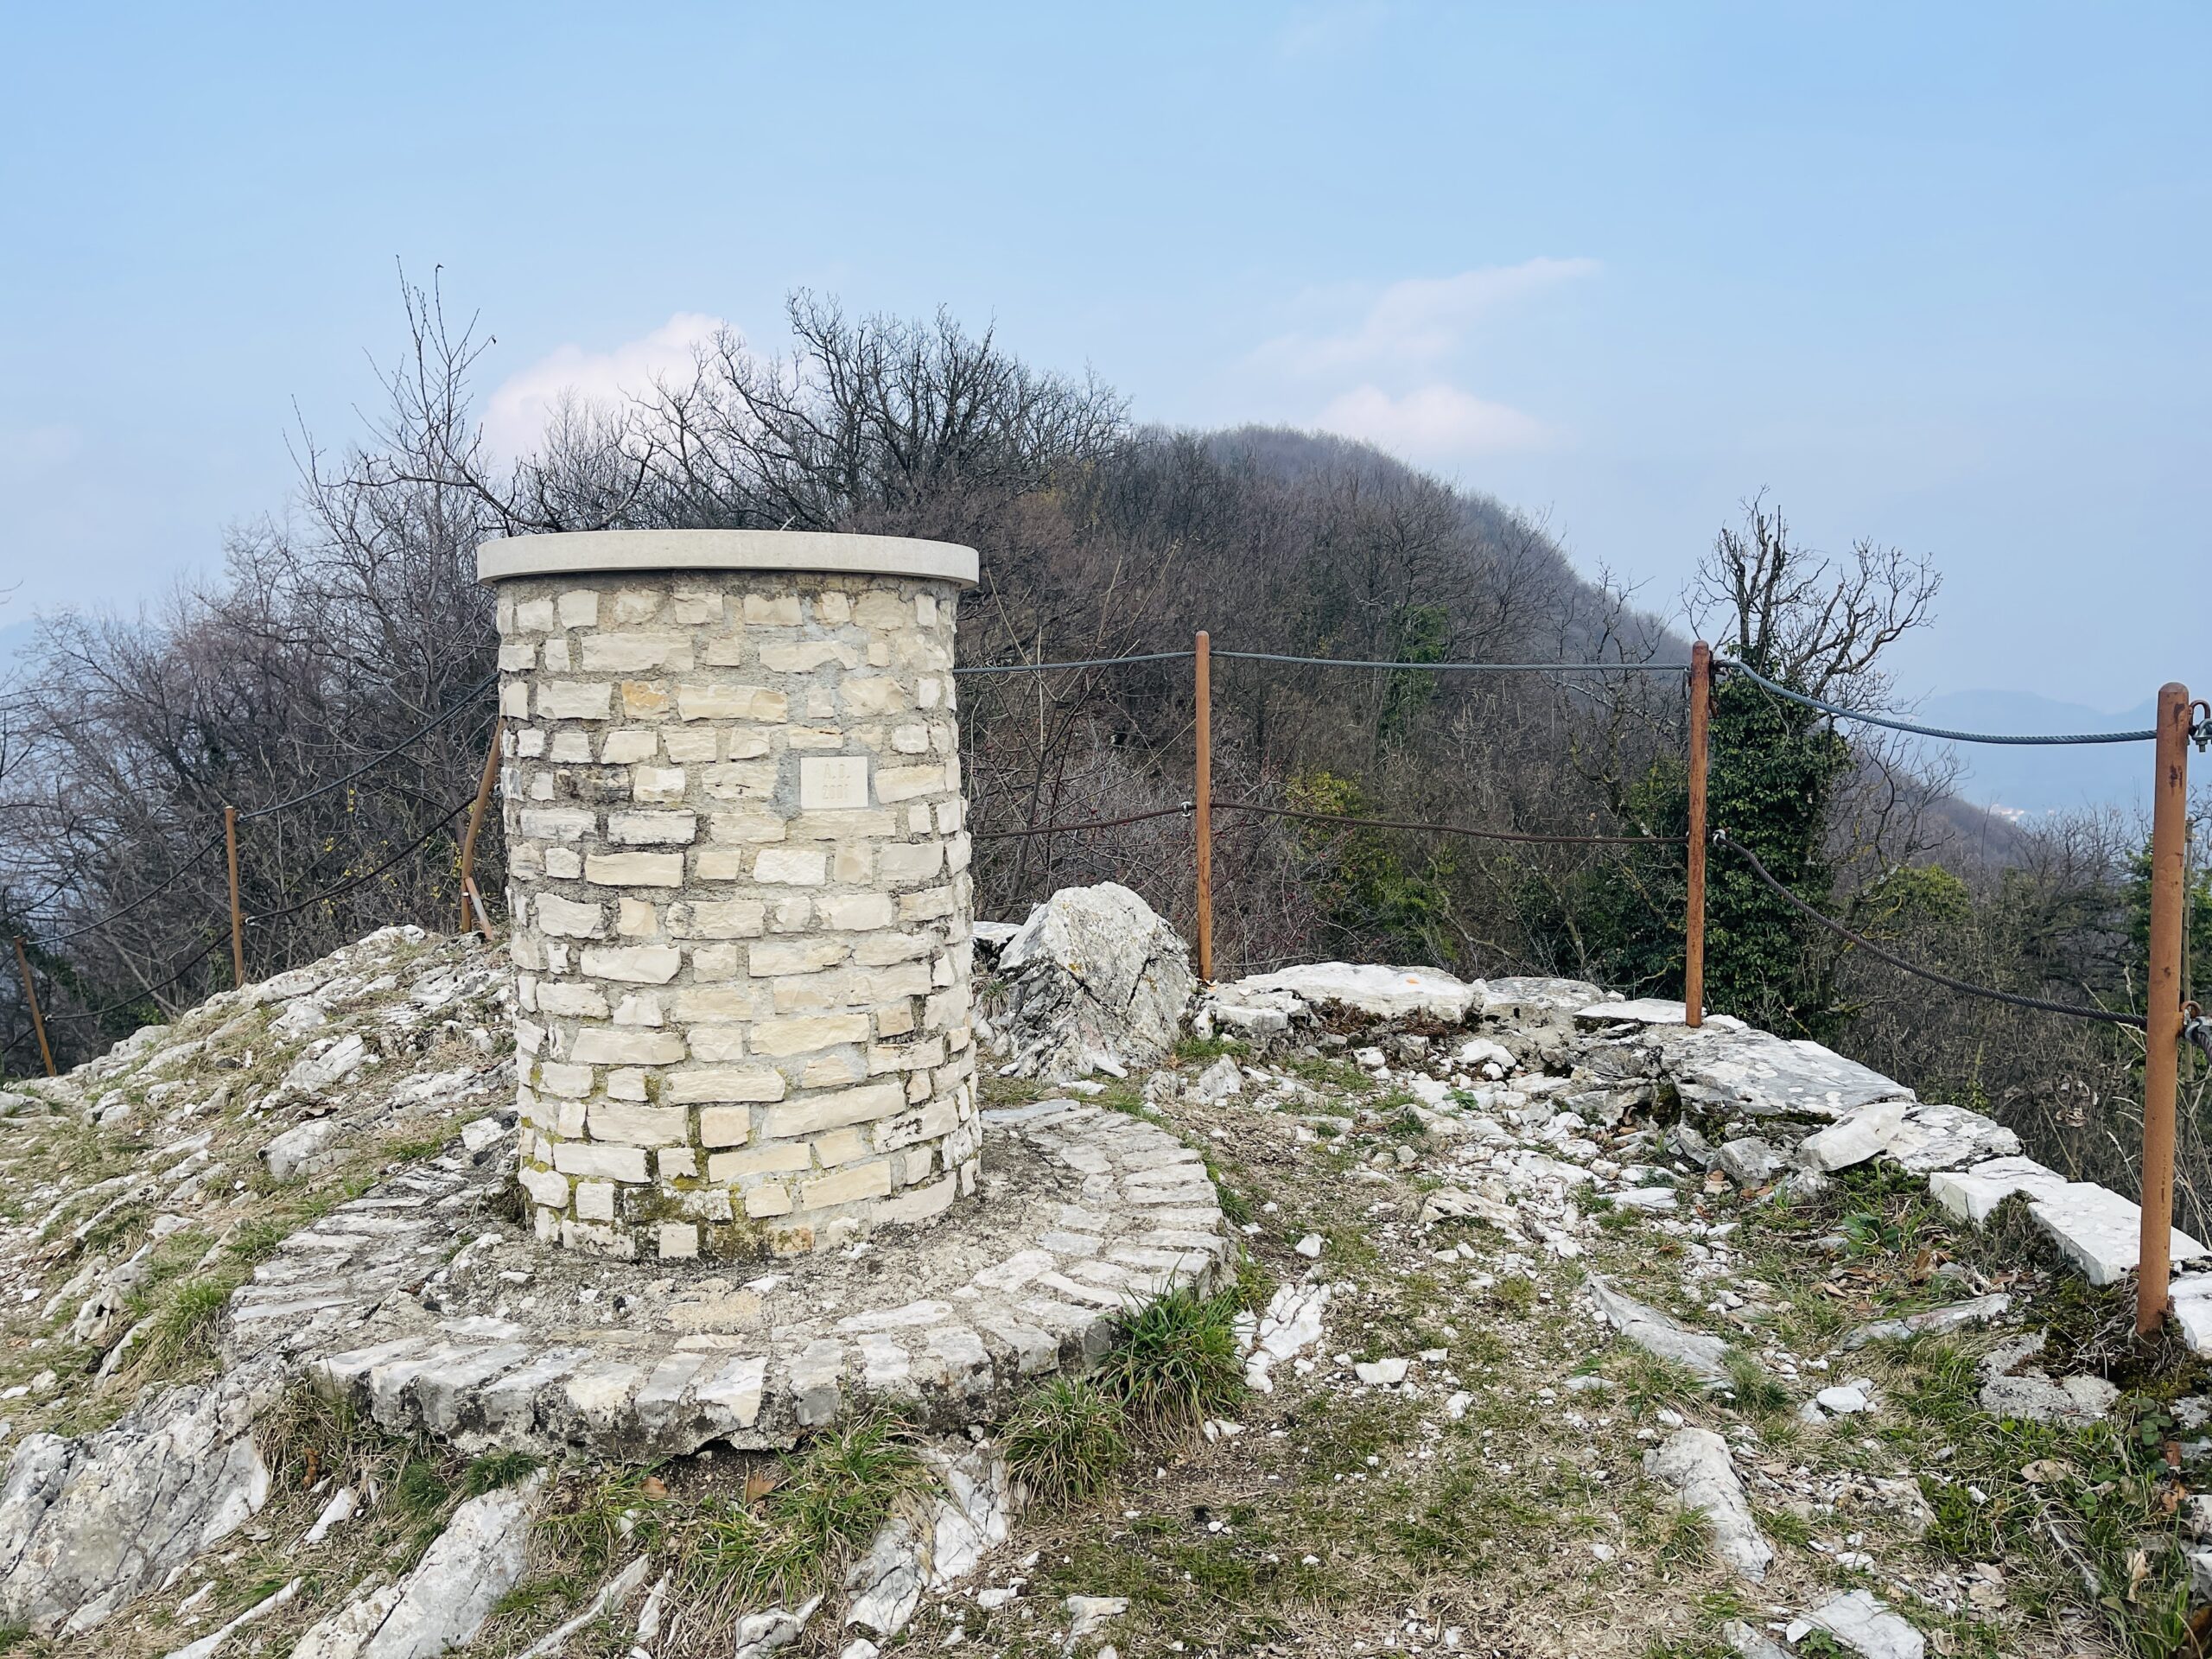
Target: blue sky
(1931, 274)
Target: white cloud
(518, 410)
(1434, 422)
(1420, 321)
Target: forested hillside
(350, 622)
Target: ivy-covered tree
(1818, 625)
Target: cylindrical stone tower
(737, 874)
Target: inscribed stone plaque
(832, 783)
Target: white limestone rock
(1369, 989)
(1756, 1074)
(1748, 1643)
(2100, 1233)
(1652, 1011)
(1751, 1161)
(329, 1065)
(1982, 1310)
(1522, 1000)
(444, 1601)
(1094, 972)
(1705, 1356)
(304, 1149)
(1695, 1463)
(1220, 1081)
(2192, 1309)
(205, 1646)
(761, 1634)
(1089, 1613)
(1971, 1195)
(86, 1524)
(1934, 1137)
(1862, 1622)
(1289, 1325)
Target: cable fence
(79, 1011)
(2163, 1022)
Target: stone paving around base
(1084, 1214)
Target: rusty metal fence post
(1202, 805)
(237, 915)
(30, 995)
(1693, 907)
(2162, 1006)
(469, 896)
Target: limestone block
(619, 1045)
(639, 964)
(652, 829)
(594, 1201)
(634, 870)
(802, 1034)
(629, 653)
(857, 913)
(814, 1115)
(726, 1125)
(591, 1158)
(846, 1186)
(717, 1084)
(790, 865)
(718, 1042)
(637, 1125)
(575, 700)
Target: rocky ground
(1559, 1330)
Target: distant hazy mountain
(2034, 780)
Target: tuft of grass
(495, 1470)
(1757, 1395)
(1068, 1440)
(1516, 1293)
(256, 1240)
(181, 1336)
(548, 1591)
(1205, 1050)
(1176, 1362)
(408, 1149)
(725, 1555)
(309, 1435)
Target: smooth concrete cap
(579, 550)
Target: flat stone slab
(1522, 999)
(1982, 1310)
(2192, 1294)
(1084, 1213)
(1365, 988)
(1703, 1354)
(2094, 1228)
(1652, 1011)
(2101, 1233)
(1757, 1074)
(1971, 1194)
(1923, 1138)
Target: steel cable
(1503, 668)
(2040, 1005)
(1088, 662)
(194, 961)
(1449, 829)
(345, 888)
(151, 893)
(1070, 829)
(320, 789)
(1896, 725)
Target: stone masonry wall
(738, 881)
